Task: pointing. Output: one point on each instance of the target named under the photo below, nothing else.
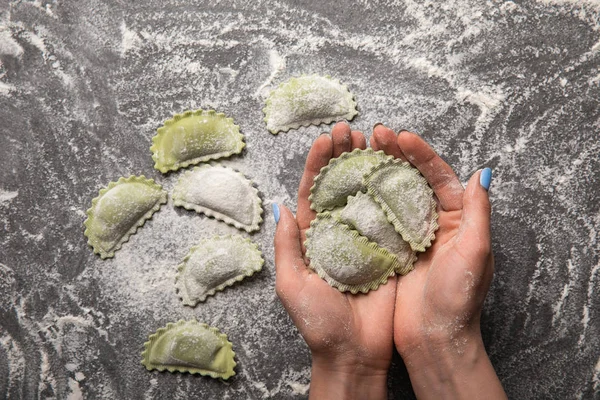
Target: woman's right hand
(438, 305)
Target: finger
(474, 238)
(341, 136)
(386, 140)
(358, 140)
(440, 175)
(318, 157)
(290, 268)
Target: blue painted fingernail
(485, 179)
(276, 212)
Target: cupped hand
(350, 336)
(438, 305)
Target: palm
(358, 326)
(446, 290)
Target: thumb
(290, 269)
(474, 235)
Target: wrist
(346, 379)
(457, 368)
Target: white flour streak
(5, 90)
(149, 394)
(9, 46)
(6, 196)
(47, 8)
(426, 66)
(299, 388)
(131, 40)
(76, 393)
(539, 266)
(585, 320)
(596, 378)
(36, 41)
(15, 360)
(47, 380)
(488, 102)
(277, 63)
(585, 10)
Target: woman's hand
(438, 305)
(350, 336)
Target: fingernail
(344, 121)
(276, 212)
(377, 124)
(485, 179)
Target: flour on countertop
(85, 84)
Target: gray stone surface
(84, 84)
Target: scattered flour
(5, 88)
(75, 390)
(131, 40)
(277, 63)
(6, 196)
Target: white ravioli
(222, 193)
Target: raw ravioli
(119, 210)
(189, 346)
(194, 137)
(222, 193)
(214, 264)
(343, 177)
(308, 100)
(364, 214)
(345, 259)
(407, 200)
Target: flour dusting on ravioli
(308, 100)
(190, 346)
(343, 177)
(215, 263)
(345, 259)
(119, 210)
(194, 137)
(407, 200)
(364, 214)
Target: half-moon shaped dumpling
(194, 137)
(189, 346)
(214, 264)
(344, 258)
(308, 100)
(222, 193)
(407, 200)
(119, 210)
(343, 177)
(366, 216)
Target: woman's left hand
(350, 336)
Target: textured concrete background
(84, 84)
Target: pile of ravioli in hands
(374, 214)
